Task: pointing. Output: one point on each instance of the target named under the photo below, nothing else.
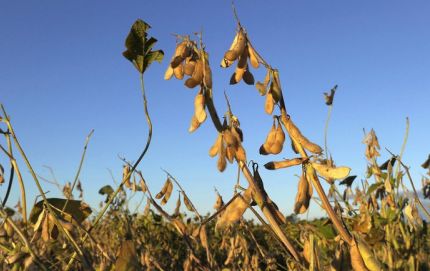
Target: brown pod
(197, 77)
(302, 198)
(126, 176)
(230, 154)
(269, 105)
(213, 151)
(189, 66)
(199, 108)
(270, 140)
(177, 60)
(164, 189)
(169, 73)
(242, 66)
(230, 139)
(295, 133)
(182, 51)
(222, 163)
(178, 71)
(237, 47)
(237, 132)
(241, 154)
(253, 58)
(248, 78)
(168, 193)
(194, 124)
(234, 211)
(284, 164)
(219, 202)
(276, 148)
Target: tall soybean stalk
(139, 52)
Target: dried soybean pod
(213, 151)
(247, 77)
(237, 132)
(270, 139)
(126, 175)
(269, 104)
(216, 147)
(199, 107)
(242, 65)
(178, 206)
(190, 64)
(169, 73)
(181, 51)
(230, 139)
(203, 236)
(194, 124)
(187, 202)
(234, 211)
(164, 189)
(277, 146)
(197, 77)
(253, 58)
(295, 134)
(143, 185)
(237, 47)
(168, 193)
(302, 198)
(207, 74)
(230, 154)
(370, 261)
(221, 163)
(147, 207)
(219, 202)
(356, 259)
(284, 164)
(180, 226)
(178, 71)
(262, 87)
(241, 154)
(331, 172)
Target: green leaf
(149, 44)
(106, 190)
(75, 208)
(139, 47)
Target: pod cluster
(241, 51)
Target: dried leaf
(331, 172)
(329, 97)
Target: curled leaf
(331, 172)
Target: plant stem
(33, 174)
(330, 108)
(316, 183)
(258, 193)
(111, 198)
(79, 168)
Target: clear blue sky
(62, 74)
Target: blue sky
(62, 74)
